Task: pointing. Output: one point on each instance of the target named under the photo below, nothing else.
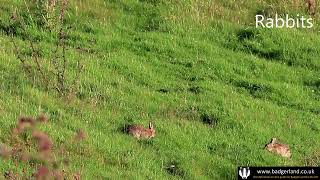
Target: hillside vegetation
(216, 88)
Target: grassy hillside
(216, 88)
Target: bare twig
(58, 63)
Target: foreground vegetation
(216, 88)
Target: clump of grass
(174, 169)
(313, 159)
(210, 120)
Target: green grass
(173, 63)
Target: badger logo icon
(244, 173)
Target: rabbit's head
(270, 146)
(152, 130)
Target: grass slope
(180, 65)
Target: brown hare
(311, 6)
(141, 132)
(275, 147)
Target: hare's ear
(150, 125)
(273, 140)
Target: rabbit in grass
(311, 6)
(141, 132)
(275, 147)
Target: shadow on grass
(173, 168)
